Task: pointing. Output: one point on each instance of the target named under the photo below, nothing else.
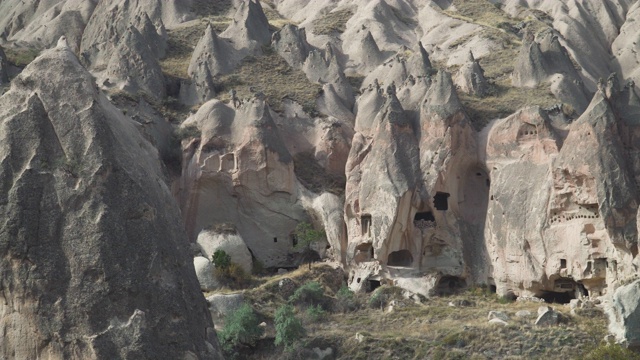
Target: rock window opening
(449, 285)
(275, 239)
(493, 289)
(365, 222)
(400, 258)
(441, 201)
(372, 285)
(294, 240)
(424, 220)
(563, 263)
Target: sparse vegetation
(306, 236)
(309, 294)
(430, 330)
(21, 57)
(241, 329)
(611, 352)
(221, 259)
(314, 177)
(223, 228)
(346, 300)
(503, 101)
(333, 22)
(481, 12)
(271, 74)
(289, 329)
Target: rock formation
(538, 61)
(370, 53)
(586, 238)
(624, 315)
(212, 56)
(134, 68)
(415, 168)
(291, 43)
(42, 24)
(93, 255)
(470, 78)
(111, 21)
(241, 162)
(249, 28)
(210, 241)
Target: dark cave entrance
(426, 216)
(449, 285)
(372, 285)
(441, 201)
(564, 290)
(400, 258)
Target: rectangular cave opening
(441, 201)
(365, 223)
(563, 263)
(294, 240)
(275, 239)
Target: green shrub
(221, 259)
(311, 293)
(346, 300)
(316, 313)
(241, 328)
(383, 295)
(289, 329)
(611, 352)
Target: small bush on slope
(241, 329)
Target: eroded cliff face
(240, 171)
(93, 255)
(416, 195)
(574, 225)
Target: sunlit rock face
(93, 255)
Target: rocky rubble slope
(440, 144)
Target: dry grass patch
(204, 8)
(21, 57)
(504, 101)
(314, 177)
(333, 22)
(270, 74)
(481, 12)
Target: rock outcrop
(211, 241)
(250, 28)
(470, 78)
(586, 238)
(241, 172)
(624, 315)
(415, 167)
(291, 43)
(213, 56)
(41, 24)
(538, 61)
(370, 53)
(112, 20)
(134, 68)
(93, 255)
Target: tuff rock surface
(93, 255)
